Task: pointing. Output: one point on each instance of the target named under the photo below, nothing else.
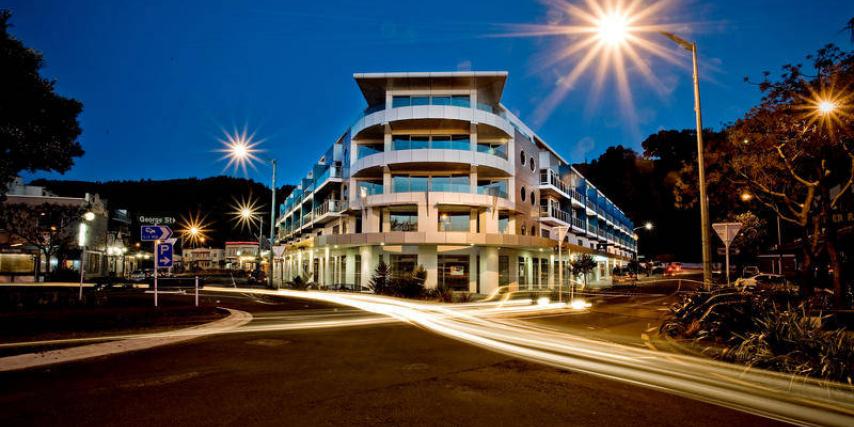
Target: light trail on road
(796, 400)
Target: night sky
(160, 80)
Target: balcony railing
(578, 222)
(592, 228)
(327, 206)
(554, 212)
(493, 190)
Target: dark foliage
(766, 330)
(380, 283)
(409, 285)
(38, 128)
(298, 283)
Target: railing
(492, 190)
(578, 222)
(499, 150)
(370, 188)
(553, 212)
(592, 228)
(327, 206)
(364, 150)
(452, 142)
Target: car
(765, 281)
(750, 271)
(137, 276)
(673, 268)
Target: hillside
(211, 198)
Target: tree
(795, 152)
(380, 282)
(38, 128)
(584, 264)
(48, 227)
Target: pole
(156, 252)
(560, 270)
(727, 264)
(272, 228)
(197, 291)
(82, 267)
(701, 169)
(779, 248)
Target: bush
(298, 283)
(379, 283)
(764, 330)
(409, 285)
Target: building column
(488, 269)
(474, 270)
(368, 263)
(428, 258)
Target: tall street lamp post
(701, 169)
(241, 151)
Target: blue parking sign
(164, 255)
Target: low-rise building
(196, 259)
(437, 172)
(241, 255)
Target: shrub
(380, 281)
(764, 330)
(410, 285)
(298, 283)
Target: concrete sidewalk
(234, 320)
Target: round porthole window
(522, 193)
(533, 166)
(522, 157)
(533, 199)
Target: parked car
(765, 281)
(137, 276)
(750, 271)
(673, 268)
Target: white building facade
(438, 173)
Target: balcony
(592, 228)
(551, 211)
(329, 206)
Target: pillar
(428, 258)
(488, 269)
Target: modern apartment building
(437, 172)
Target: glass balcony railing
(592, 228)
(367, 188)
(555, 212)
(374, 109)
(499, 150)
(578, 222)
(496, 190)
(364, 150)
(442, 142)
(329, 206)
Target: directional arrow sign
(150, 233)
(164, 255)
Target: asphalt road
(384, 374)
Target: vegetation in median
(769, 330)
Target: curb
(235, 319)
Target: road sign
(156, 219)
(150, 233)
(164, 255)
(278, 250)
(727, 231)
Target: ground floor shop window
(523, 276)
(454, 272)
(403, 264)
(503, 270)
(544, 272)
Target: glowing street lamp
(826, 107)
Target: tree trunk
(832, 253)
(806, 284)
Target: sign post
(727, 232)
(162, 251)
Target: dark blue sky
(160, 79)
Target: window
(503, 222)
(403, 221)
(492, 187)
(522, 157)
(523, 282)
(402, 264)
(461, 101)
(533, 199)
(369, 188)
(441, 100)
(533, 166)
(536, 271)
(523, 230)
(522, 192)
(544, 272)
(454, 221)
(400, 101)
(443, 142)
(495, 149)
(503, 270)
(454, 271)
(358, 281)
(452, 183)
(420, 100)
(406, 183)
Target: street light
(615, 29)
(81, 241)
(240, 149)
(826, 107)
(647, 226)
